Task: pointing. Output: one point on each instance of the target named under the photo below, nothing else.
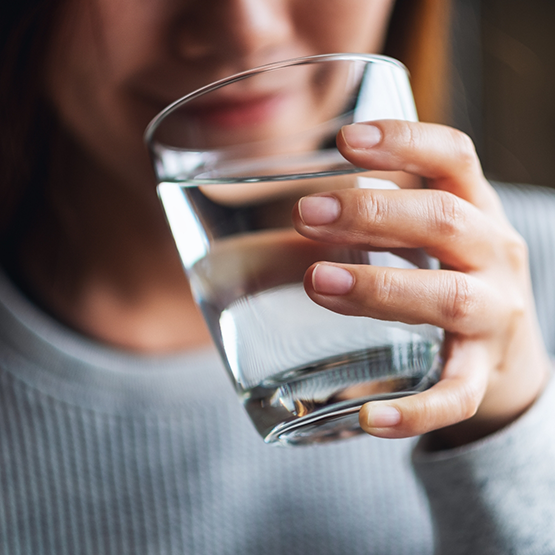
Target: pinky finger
(455, 398)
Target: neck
(101, 259)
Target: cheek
(94, 52)
(343, 25)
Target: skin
(495, 360)
(113, 273)
(112, 270)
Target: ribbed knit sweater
(103, 452)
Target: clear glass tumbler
(232, 159)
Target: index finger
(444, 156)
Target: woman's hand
(495, 362)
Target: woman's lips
(231, 113)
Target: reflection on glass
(232, 161)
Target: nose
(249, 31)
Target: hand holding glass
(232, 159)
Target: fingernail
(382, 416)
(319, 210)
(332, 280)
(361, 135)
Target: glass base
(321, 403)
(321, 428)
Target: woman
(119, 432)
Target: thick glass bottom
(321, 403)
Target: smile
(236, 112)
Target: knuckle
(386, 287)
(424, 417)
(464, 148)
(519, 307)
(372, 208)
(448, 214)
(410, 135)
(515, 298)
(459, 299)
(408, 138)
(427, 413)
(516, 308)
(516, 251)
(468, 401)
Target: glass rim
(347, 57)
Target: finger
(456, 302)
(455, 398)
(448, 227)
(443, 155)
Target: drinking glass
(231, 160)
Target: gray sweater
(107, 453)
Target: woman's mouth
(233, 113)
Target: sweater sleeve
(497, 495)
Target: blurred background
(504, 85)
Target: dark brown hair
(26, 122)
